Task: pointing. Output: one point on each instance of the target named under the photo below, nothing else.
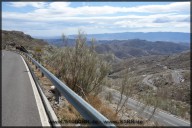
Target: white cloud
(63, 7)
(23, 4)
(103, 10)
(97, 19)
(173, 7)
(92, 19)
(59, 5)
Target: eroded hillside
(168, 75)
(19, 38)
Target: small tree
(151, 99)
(65, 40)
(80, 66)
(126, 92)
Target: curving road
(176, 76)
(149, 82)
(21, 106)
(164, 118)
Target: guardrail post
(42, 75)
(57, 95)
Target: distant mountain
(177, 37)
(137, 48)
(70, 42)
(20, 38)
(130, 48)
(59, 42)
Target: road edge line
(42, 113)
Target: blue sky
(55, 18)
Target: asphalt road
(164, 118)
(19, 106)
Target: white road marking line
(42, 113)
(174, 116)
(170, 123)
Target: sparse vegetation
(85, 72)
(19, 38)
(65, 40)
(127, 91)
(80, 67)
(38, 54)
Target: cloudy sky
(55, 18)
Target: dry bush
(127, 91)
(80, 66)
(108, 113)
(160, 99)
(38, 53)
(94, 101)
(102, 108)
(109, 97)
(65, 114)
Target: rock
(52, 87)
(77, 125)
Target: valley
(160, 69)
(157, 73)
(158, 76)
(100, 64)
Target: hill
(137, 48)
(16, 38)
(129, 48)
(166, 77)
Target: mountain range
(121, 49)
(178, 37)
(130, 48)
(137, 48)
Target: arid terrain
(167, 74)
(161, 72)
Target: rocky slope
(16, 38)
(167, 76)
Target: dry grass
(102, 108)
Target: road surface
(21, 105)
(176, 76)
(164, 118)
(149, 82)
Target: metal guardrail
(51, 114)
(90, 114)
